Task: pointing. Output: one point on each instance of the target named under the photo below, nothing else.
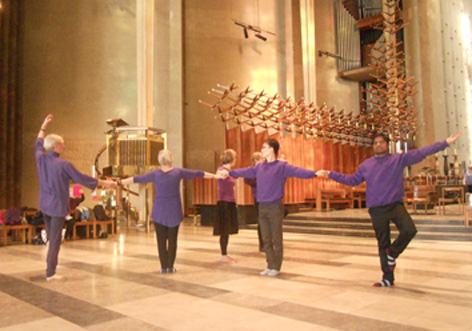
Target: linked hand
(223, 174)
(323, 173)
(109, 184)
(450, 140)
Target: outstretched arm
(42, 131)
(127, 181)
(419, 154)
(351, 180)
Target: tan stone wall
(80, 65)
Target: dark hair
(227, 156)
(383, 136)
(274, 144)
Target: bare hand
(450, 140)
(47, 120)
(223, 174)
(323, 173)
(108, 184)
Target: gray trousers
(54, 227)
(271, 218)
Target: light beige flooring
(326, 284)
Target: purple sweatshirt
(55, 175)
(226, 188)
(384, 175)
(167, 205)
(270, 178)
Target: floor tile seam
(333, 319)
(293, 277)
(48, 306)
(165, 282)
(350, 253)
(356, 266)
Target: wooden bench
(358, 195)
(422, 195)
(24, 230)
(93, 224)
(450, 195)
(332, 196)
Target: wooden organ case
(133, 150)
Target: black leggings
(166, 244)
(224, 239)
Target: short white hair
(165, 157)
(51, 140)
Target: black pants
(381, 217)
(166, 244)
(259, 233)
(54, 227)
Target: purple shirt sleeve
(78, 177)
(190, 174)
(146, 178)
(39, 148)
(351, 180)
(419, 154)
(292, 171)
(249, 172)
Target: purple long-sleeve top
(384, 175)
(270, 178)
(55, 175)
(226, 188)
(167, 205)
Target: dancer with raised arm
(167, 205)
(55, 175)
(383, 174)
(270, 176)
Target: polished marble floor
(325, 284)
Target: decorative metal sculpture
(390, 109)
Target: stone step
(449, 230)
(367, 225)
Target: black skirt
(226, 219)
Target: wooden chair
(92, 224)
(331, 196)
(423, 195)
(451, 195)
(358, 195)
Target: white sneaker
(273, 273)
(265, 272)
(44, 236)
(54, 277)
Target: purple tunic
(384, 175)
(55, 175)
(226, 188)
(167, 205)
(270, 179)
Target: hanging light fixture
(258, 32)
